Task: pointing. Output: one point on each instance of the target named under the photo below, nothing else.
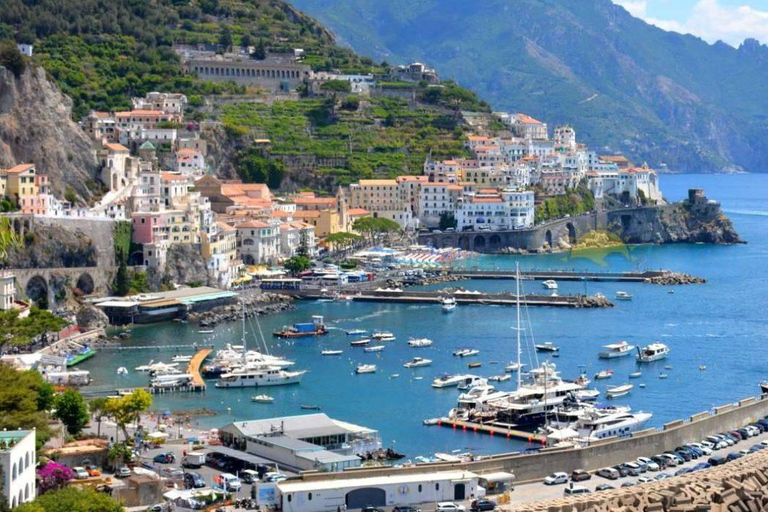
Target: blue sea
(720, 324)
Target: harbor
(646, 276)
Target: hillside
(626, 86)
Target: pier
(198, 384)
(564, 275)
(469, 426)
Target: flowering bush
(53, 476)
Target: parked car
(482, 505)
(164, 458)
(609, 473)
(405, 508)
(556, 479)
(645, 480)
(662, 476)
(373, 509)
(93, 471)
(628, 484)
(80, 472)
(194, 481)
(575, 490)
(733, 456)
(249, 476)
(449, 506)
(579, 475)
(717, 460)
(682, 471)
(229, 482)
(650, 464)
(622, 469)
(702, 465)
(123, 472)
(604, 487)
(633, 468)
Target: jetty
(493, 430)
(193, 368)
(646, 276)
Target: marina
(551, 276)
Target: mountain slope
(626, 86)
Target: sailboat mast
(519, 350)
(242, 321)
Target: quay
(485, 299)
(492, 430)
(563, 275)
(197, 384)
(147, 347)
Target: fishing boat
(614, 350)
(122, 370)
(623, 296)
(466, 352)
(448, 304)
(547, 346)
(360, 343)
(617, 391)
(205, 331)
(375, 348)
(604, 374)
(418, 362)
(474, 365)
(419, 342)
(181, 359)
(652, 352)
(381, 335)
(513, 367)
(262, 399)
(550, 284)
(304, 330)
(635, 375)
(331, 352)
(663, 376)
(356, 332)
(310, 407)
(365, 368)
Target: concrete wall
(607, 452)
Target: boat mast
(519, 350)
(242, 321)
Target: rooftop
(288, 486)
(297, 427)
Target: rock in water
(90, 317)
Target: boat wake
(751, 213)
(375, 314)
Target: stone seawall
(607, 452)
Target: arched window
(437, 487)
(309, 496)
(14, 473)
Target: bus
(280, 284)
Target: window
(419, 487)
(437, 487)
(309, 496)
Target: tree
(128, 408)
(260, 51)
(20, 403)
(72, 499)
(98, 407)
(245, 41)
(341, 241)
(374, 227)
(336, 86)
(296, 264)
(447, 220)
(225, 38)
(122, 283)
(46, 395)
(53, 476)
(118, 455)
(11, 58)
(72, 411)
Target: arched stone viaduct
(48, 284)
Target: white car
(672, 461)
(645, 480)
(706, 450)
(449, 506)
(650, 464)
(80, 472)
(556, 478)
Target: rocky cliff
(53, 247)
(184, 265)
(36, 127)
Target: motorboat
(478, 402)
(365, 368)
(582, 380)
(145, 367)
(419, 342)
(309, 407)
(171, 381)
(595, 423)
(356, 332)
(604, 374)
(642, 384)
(617, 391)
(586, 395)
(500, 378)
(375, 348)
(635, 375)
(181, 359)
(450, 381)
(652, 352)
(623, 296)
(764, 387)
(262, 399)
(448, 304)
(474, 365)
(418, 362)
(431, 421)
(331, 352)
(702, 367)
(471, 381)
(663, 376)
(303, 330)
(550, 284)
(360, 343)
(547, 346)
(513, 367)
(381, 335)
(268, 376)
(122, 370)
(466, 352)
(620, 349)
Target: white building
(173, 103)
(383, 199)
(295, 234)
(17, 460)
(436, 199)
(26, 49)
(626, 184)
(508, 209)
(189, 162)
(259, 242)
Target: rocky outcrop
(36, 127)
(53, 247)
(185, 264)
(90, 317)
(256, 303)
(672, 278)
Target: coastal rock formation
(671, 278)
(36, 127)
(53, 247)
(90, 317)
(256, 303)
(184, 265)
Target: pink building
(148, 227)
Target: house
(219, 248)
(258, 242)
(223, 194)
(294, 235)
(118, 169)
(8, 299)
(18, 458)
(383, 199)
(26, 188)
(496, 210)
(26, 49)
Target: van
(193, 460)
(609, 473)
(230, 482)
(575, 490)
(249, 476)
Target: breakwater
(647, 276)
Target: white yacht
(360, 343)
(652, 352)
(122, 370)
(586, 395)
(614, 350)
(448, 304)
(171, 381)
(617, 391)
(602, 423)
(418, 362)
(375, 348)
(356, 332)
(450, 381)
(181, 359)
(477, 403)
(623, 295)
(419, 342)
(269, 376)
(466, 352)
(550, 284)
(470, 381)
(365, 368)
(604, 374)
(513, 367)
(331, 352)
(381, 335)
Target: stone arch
(548, 237)
(464, 242)
(494, 242)
(571, 233)
(135, 258)
(479, 242)
(37, 291)
(85, 283)
(248, 259)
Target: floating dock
(193, 368)
(493, 430)
(562, 275)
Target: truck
(193, 460)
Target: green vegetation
(255, 168)
(447, 220)
(574, 202)
(9, 238)
(122, 240)
(11, 58)
(296, 264)
(25, 399)
(129, 282)
(72, 411)
(21, 331)
(383, 138)
(374, 228)
(72, 499)
(336, 86)
(127, 409)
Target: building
(26, 188)
(118, 169)
(26, 49)
(173, 103)
(495, 211)
(224, 194)
(294, 235)
(276, 72)
(219, 248)
(8, 299)
(311, 441)
(17, 461)
(626, 184)
(189, 162)
(436, 199)
(383, 199)
(399, 488)
(259, 242)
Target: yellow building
(220, 252)
(26, 188)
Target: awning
(499, 476)
(158, 435)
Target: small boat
(623, 296)
(122, 370)
(375, 348)
(671, 291)
(513, 367)
(663, 376)
(262, 399)
(331, 352)
(635, 375)
(702, 367)
(599, 295)
(304, 330)
(615, 350)
(380, 335)
(668, 367)
(387, 338)
(653, 352)
(431, 421)
(466, 352)
(604, 374)
(617, 391)
(764, 387)
(586, 395)
(205, 331)
(642, 385)
(550, 284)
(419, 342)
(547, 346)
(365, 368)
(448, 304)
(475, 365)
(394, 376)
(356, 332)
(418, 362)
(418, 378)
(181, 359)
(310, 407)
(500, 378)
(360, 343)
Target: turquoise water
(720, 324)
